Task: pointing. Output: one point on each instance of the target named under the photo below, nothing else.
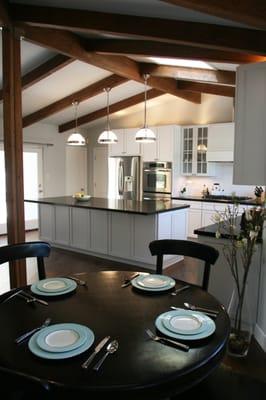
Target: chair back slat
(20, 251)
(185, 248)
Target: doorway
(33, 186)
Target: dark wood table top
(141, 368)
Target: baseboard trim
(260, 336)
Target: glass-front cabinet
(194, 151)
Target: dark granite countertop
(211, 230)
(248, 202)
(145, 207)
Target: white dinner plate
(153, 282)
(185, 322)
(35, 349)
(208, 330)
(53, 286)
(62, 337)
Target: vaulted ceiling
(73, 50)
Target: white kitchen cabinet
(80, 220)
(132, 148)
(120, 235)
(46, 222)
(150, 151)
(250, 123)
(99, 231)
(62, 225)
(194, 221)
(209, 210)
(117, 149)
(221, 142)
(126, 145)
(163, 148)
(194, 151)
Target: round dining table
(141, 368)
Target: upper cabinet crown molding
(250, 125)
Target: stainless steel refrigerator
(124, 178)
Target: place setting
(54, 286)
(60, 341)
(153, 283)
(185, 324)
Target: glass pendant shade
(107, 136)
(76, 139)
(202, 148)
(145, 135)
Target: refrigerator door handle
(120, 178)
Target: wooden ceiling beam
(145, 28)
(43, 71)
(210, 88)
(73, 46)
(4, 13)
(81, 95)
(113, 108)
(198, 74)
(150, 48)
(248, 12)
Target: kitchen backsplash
(224, 176)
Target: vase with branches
(242, 234)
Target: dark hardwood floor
(243, 379)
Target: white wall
(54, 157)
(223, 175)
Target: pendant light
(107, 136)
(145, 135)
(76, 139)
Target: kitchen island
(115, 229)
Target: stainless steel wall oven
(157, 179)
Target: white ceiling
(148, 8)
(78, 75)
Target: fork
(164, 340)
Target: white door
(100, 171)
(33, 183)
(76, 169)
(33, 186)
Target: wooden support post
(13, 146)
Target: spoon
(203, 309)
(110, 349)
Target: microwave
(157, 177)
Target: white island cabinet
(123, 236)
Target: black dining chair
(20, 251)
(187, 248)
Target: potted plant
(242, 234)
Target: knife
(182, 309)
(99, 346)
(127, 282)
